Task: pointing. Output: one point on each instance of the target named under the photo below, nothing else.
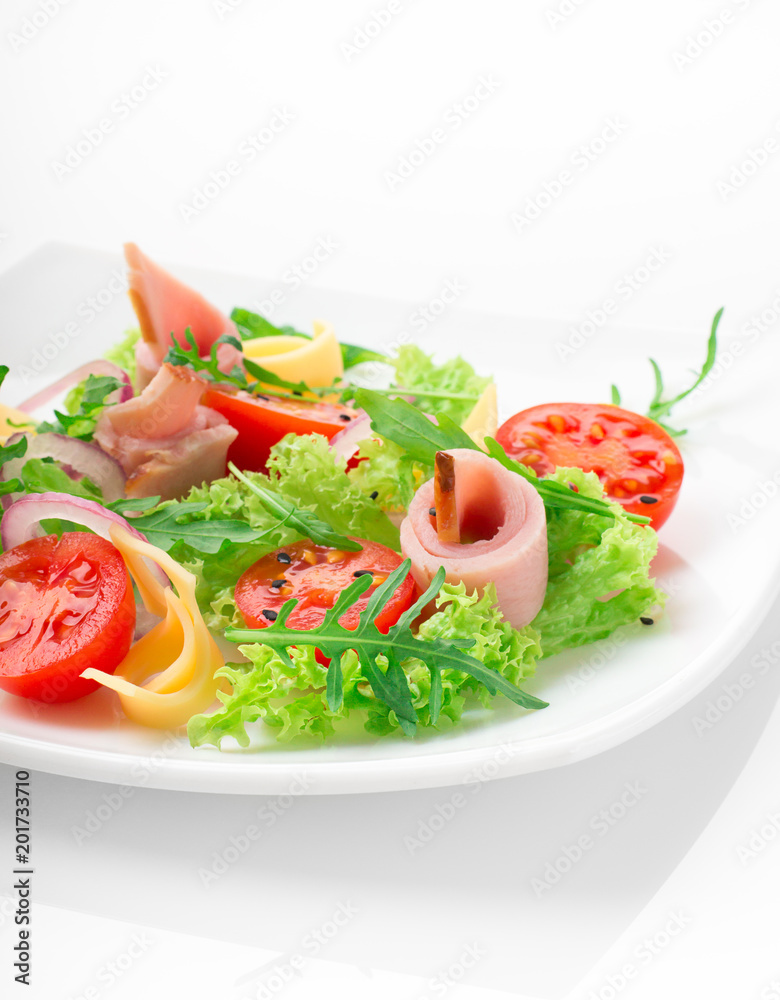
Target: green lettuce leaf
(122, 354)
(599, 581)
(591, 558)
(414, 369)
(304, 470)
(81, 423)
(386, 469)
(41, 475)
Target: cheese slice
(482, 422)
(168, 675)
(10, 419)
(316, 362)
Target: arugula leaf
(353, 355)
(164, 528)
(81, 424)
(408, 427)
(251, 325)
(303, 521)
(400, 421)
(554, 494)
(4, 369)
(209, 369)
(660, 407)
(269, 378)
(390, 685)
(131, 504)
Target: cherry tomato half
(637, 462)
(65, 604)
(261, 421)
(316, 575)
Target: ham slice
(165, 307)
(165, 441)
(503, 536)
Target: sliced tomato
(638, 463)
(261, 421)
(65, 604)
(315, 575)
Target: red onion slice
(20, 522)
(79, 458)
(98, 367)
(347, 442)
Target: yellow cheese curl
(168, 675)
(315, 362)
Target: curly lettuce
(292, 701)
(599, 580)
(383, 468)
(414, 369)
(599, 571)
(306, 471)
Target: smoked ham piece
(165, 441)
(165, 307)
(503, 534)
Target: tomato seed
(598, 432)
(557, 423)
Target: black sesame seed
(363, 572)
(646, 621)
(646, 499)
(297, 392)
(345, 417)
(270, 615)
(432, 511)
(282, 557)
(276, 584)
(265, 399)
(374, 495)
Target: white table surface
(687, 128)
(412, 915)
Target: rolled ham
(503, 536)
(165, 441)
(165, 307)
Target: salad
(229, 524)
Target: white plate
(65, 305)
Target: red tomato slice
(638, 463)
(261, 421)
(65, 604)
(316, 575)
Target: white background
(688, 120)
